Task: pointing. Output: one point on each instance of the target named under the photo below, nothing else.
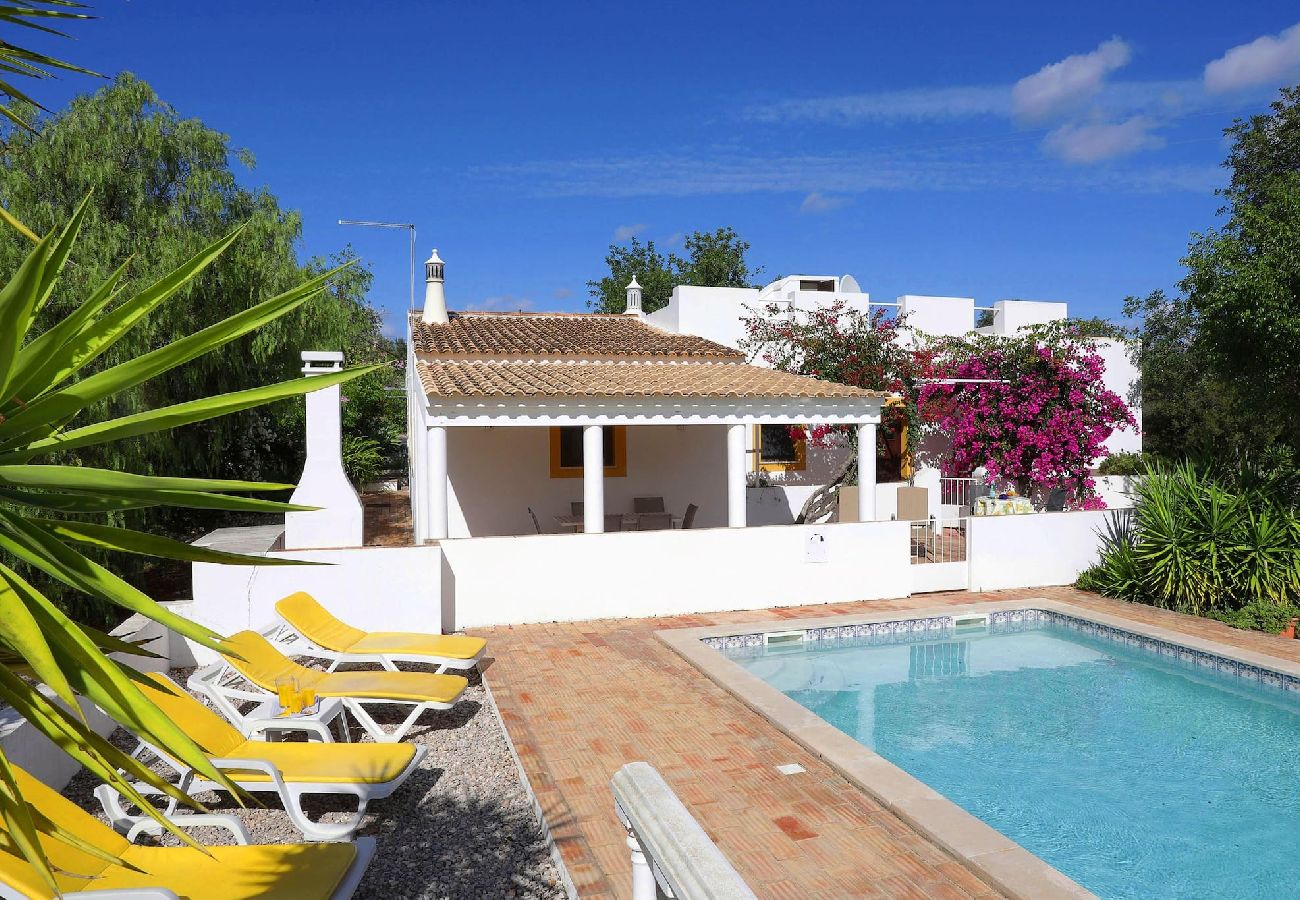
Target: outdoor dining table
(574, 523)
(1011, 506)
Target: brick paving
(580, 699)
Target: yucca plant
(47, 660)
(15, 60)
(1203, 540)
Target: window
(566, 451)
(779, 450)
(810, 284)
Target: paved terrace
(581, 699)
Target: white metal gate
(938, 555)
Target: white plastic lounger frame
(293, 642)
(346, 888)
(223, 683)
(291, 794)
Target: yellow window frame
(617, 470)
(800, 455)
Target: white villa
(554, 422)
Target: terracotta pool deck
(580, 699)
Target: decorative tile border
(929, 628)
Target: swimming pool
(1139, 767)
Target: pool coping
(981, 848)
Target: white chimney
(633, 298)
(324, 484)
(435, 302)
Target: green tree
(713, 259)
(163, 186)
(1243, 279)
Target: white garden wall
(1035, 550)
(374, 588)
(543, 578)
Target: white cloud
(910, 105)
(817, 202)
(1064, 86)
(501, 303)
(712, 172)
(676, 239)
(1097, 141)
(627, 232)
(1265, 60)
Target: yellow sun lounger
(259, 666)
(310, 629)
(292, 770)
(240, 872)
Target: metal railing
(938, 541)
(957, 492)
(671, 854)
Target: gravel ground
(461, 827)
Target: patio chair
(238, 872)
(254, 665)
(310, 629)
(688, 520)
(1056, 500)
(576, 507)
(655, 521)
(290, 769)
(613, 521)
(647, 504)
(537, 526)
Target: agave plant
(1204, 539)
(16, 60)
(47, 660)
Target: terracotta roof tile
(570, 334)
(636, 379)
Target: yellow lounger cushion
(317, 763)
(317, 624)
(450, 646)
(277, 872)
(263, 664)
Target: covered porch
(514, 465)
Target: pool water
(1134, 774)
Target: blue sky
(1031, 150)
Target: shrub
(1201, 540)
(1122, 464)
(1258, 617)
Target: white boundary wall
(373, 588)
(546, 578)
(1035, 550)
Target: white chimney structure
(338, 521)
(633, 298)
(435, 302)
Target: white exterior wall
(373, 588)
(497, 473)
(1121, 376)
(938, 316)
(1033, 551)
(1009, 316)
(547, 578)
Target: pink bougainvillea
(1032, 410)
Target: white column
(867, 472)
(437, 491)
(736, 476)
(593, 479)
